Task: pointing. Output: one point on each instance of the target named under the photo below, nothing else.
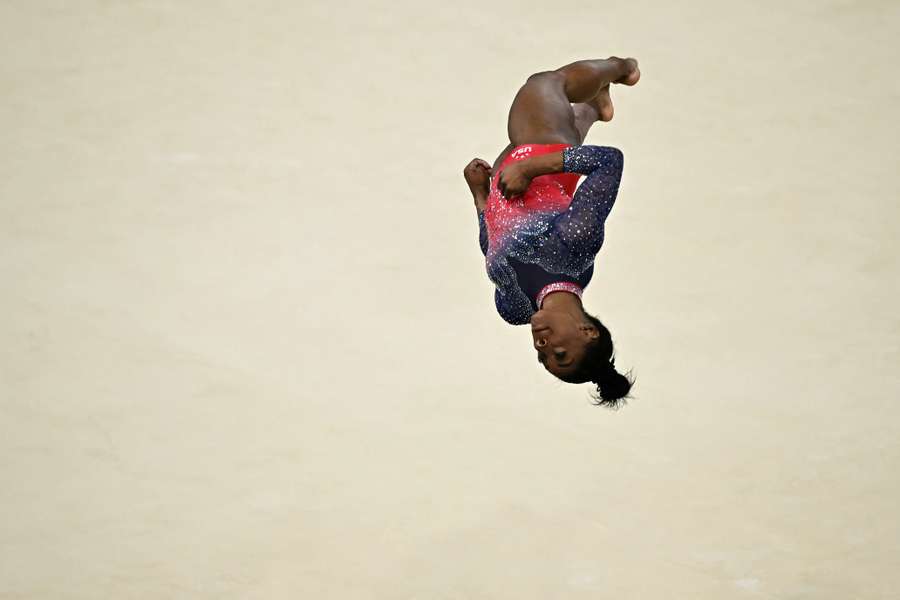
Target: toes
(634, 75)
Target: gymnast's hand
(477, 174)
(514, 179)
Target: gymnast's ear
(590, 331)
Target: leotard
(547, 239)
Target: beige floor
(248, 346)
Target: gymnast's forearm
(575, 159)
(543, 164)
(480, 197)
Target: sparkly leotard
(547, 239)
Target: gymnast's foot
(632, 72)
(602, 103)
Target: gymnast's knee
(546, 77)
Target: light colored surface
(205, 396)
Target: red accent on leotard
(550, 193)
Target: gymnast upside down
(539, 234)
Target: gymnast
(539, 234)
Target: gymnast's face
(561, 340)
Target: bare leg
(585, 116)
(600, 108)
(543, 113)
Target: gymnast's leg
(600, 108)
(543, 112)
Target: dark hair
(599, 367)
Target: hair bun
(612, 386)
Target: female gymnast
(538, 233)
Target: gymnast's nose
(540, 343)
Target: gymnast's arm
(577, 233)
(478, 177)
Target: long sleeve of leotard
(482, 233)
(513, 306)
(576, 234)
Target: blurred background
(248, 348)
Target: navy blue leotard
(548, 238)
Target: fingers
(508, 183)
(477, 164)
(505, 189)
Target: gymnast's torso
(547, 239)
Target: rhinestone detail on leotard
(547, 228)
(559, 286)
